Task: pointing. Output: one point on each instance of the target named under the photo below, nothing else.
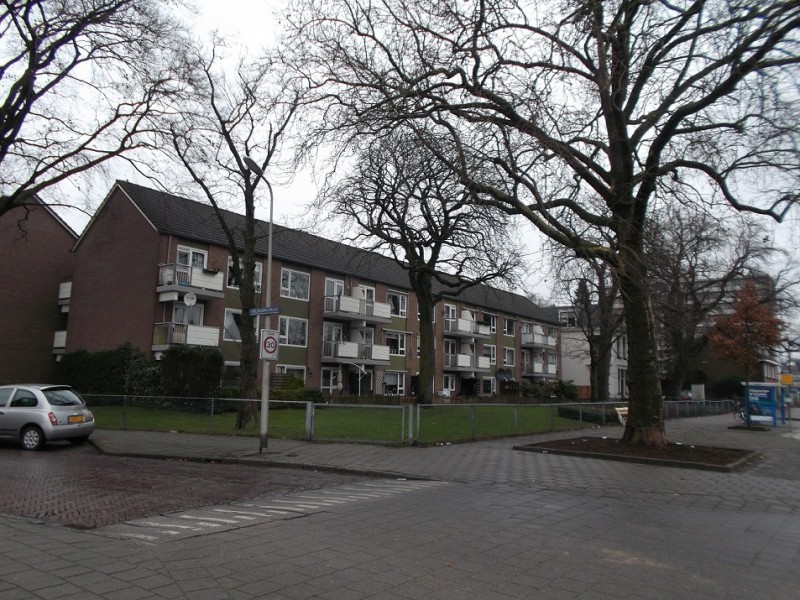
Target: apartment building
(574, 355)
(35, 260)
(153, 269)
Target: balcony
(539, 369)
(59, 342)
(175, 279)
(173, 334)
(349, 308)
(466, 362)
(538, 340)
(64, 295)
(350, 352)
(466, 328)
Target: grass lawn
(437, 424)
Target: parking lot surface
(80, 487)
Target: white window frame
(492, 321)
(333, 379)
(289, 369)
(509, 327)
(402, 308)
(567, 318)
(283, 336)
(401, 382)
(334, 287)
(286, 291)
(492, 348)
(509, 353)
(449, 383)
(225, 337)
(492, 385)
(197, 309)
(257, 271)
(191, 252)
(401, 342)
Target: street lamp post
(264, 438)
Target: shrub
(122, 371)
(192, 371)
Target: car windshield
(63, 397)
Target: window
(622, 347)
(367, 293)
(232, 331)
(395, 383)
(396, 342)
(622, 385)
(527, 327)
(330, 380)
(256, 275)
(491, 321)
(567, 318)
(449, 383)
(398, 303)
(191, 257)
(449, 311)
(450, 322)
(489, 385)
(490, 350)
(508, 326)
(295, 371)
(294, 284)
(508, 357)
(292, 331)
(187, 315)
(334, 287)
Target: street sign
(264, 310)
(269, 344)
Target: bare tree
(696, 262)
(406, 203)
(594, 297)
(228, 115)
(586, 110)
(78, 80)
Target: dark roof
(191, 220)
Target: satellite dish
(190, 299)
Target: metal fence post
(211, 420)
(124, 407)
(309, 421)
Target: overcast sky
(252, 23)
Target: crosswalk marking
(214, 519)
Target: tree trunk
(422, 288)
(600, 369)
(645, 423)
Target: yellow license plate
(75, 419)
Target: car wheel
(32, 438)
(78, 440)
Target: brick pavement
(508, 525)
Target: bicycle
(738, 414)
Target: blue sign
(761, 406)
(264, 310)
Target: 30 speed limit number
(269, 344)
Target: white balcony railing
(59, 341)
(466, 327)
(354, 351)
(184, 275)
(466, 362)
(358, 308)
(538, 339)
(169, 334)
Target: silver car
(34, 414)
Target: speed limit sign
(269, 344)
